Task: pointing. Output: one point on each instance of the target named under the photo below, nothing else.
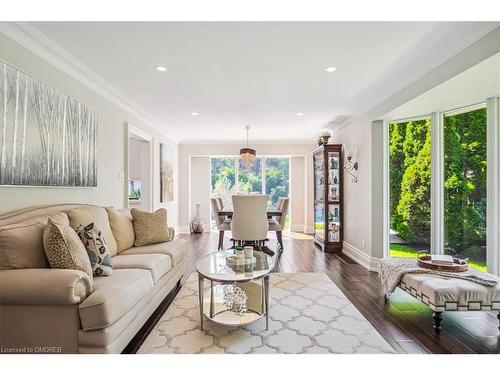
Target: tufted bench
(448, 294)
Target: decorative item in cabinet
(328, 197)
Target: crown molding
(38, 43)
(307, 142)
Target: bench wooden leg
(437, 320)
(498, 316)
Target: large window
(465, 186)
(277, 179)
(460, 191)
(269, 176)
(223, 179)
(410, 187)
(250, 178)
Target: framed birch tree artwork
(46, 137)
(166, 173)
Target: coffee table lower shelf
(213, 307)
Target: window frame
(492, 106)
(386, 227)
(263, 168)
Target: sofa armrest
(43, 286)
(171, 233)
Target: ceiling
(473, 86)
(259, 73)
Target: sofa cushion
(122, 228)
(59, 218)
(85, 215)
(157, 264)
(97, 250)
(176, 249)
(150, 227)
(64, 249)
(113, 296)
(21, 244)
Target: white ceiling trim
(29, 37)
(243, 142)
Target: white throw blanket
(392, 269)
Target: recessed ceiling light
(161, 68)
(331, 69)
(194, 113)
(300, 113)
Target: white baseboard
(187, 230)
(297, 228)
(184, 229)
(360, 257)
(308, 230)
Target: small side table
(253, 280)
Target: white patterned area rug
(308, 314)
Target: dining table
(270, 215)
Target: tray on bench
(424, 261)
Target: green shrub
(411, 218)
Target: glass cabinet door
(319, 195)
(319, 221)
(334, 223)
(319, 178)
(334, 197)
(333, 177)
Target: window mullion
(437, 184)
(386, 191)
(493, 187)
(263, 177)
(237, 174)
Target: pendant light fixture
(247, 154)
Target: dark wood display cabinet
(328, 197)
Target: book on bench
(442, 259)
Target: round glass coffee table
(251, 280)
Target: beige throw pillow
(122, 228)
(64, 248)
(150, 227)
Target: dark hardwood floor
(404, 322)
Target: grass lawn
(400, 250)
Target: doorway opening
(139, 169)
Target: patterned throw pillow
(150, 227)
(64, 249)
(98, 252)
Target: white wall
(194, 169)
(357, 196)
(298, 195)
(112, 138)
(200, 188)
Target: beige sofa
(54, 310)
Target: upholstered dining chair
(277, 223)
(221, 223)
(249, 222)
